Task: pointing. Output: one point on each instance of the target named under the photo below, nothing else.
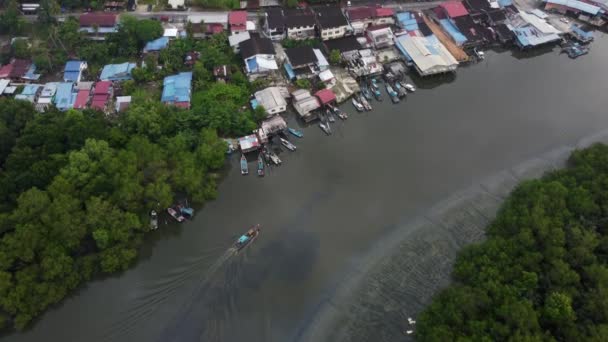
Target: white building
(429, 57)
(272, 100)
(331, 22)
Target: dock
(454, 49)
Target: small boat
(408, 86)
(366, 92)
(295, 132)
(187, 212)
(400, 90)
(365, 103)
(153, 220)
(376, 90)
(325, 128)
(330, 115)
(244, 166)
(288, 144)
(391, 92)
(357, 105)
(275, 159)
(177, 216)
(260, 165)
(248, 237)
(342, 115)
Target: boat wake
(166, 288)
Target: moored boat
(366, 92)
(342, 115)
(330, 116)
(410, 87)
(274, 158)
(244, 166)
(260, 165)
(248, 237)
(186, 211)
(357, 105)
(399, 89)
(288, 144)
(176, 215)
(391, 92)
(365, 103)
(375, 90)
(295, 132)
(325, 128)
(153, 220)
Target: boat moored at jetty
(358, 105)
(295, 132)
(261, 165)
(288, 144)
(244, 166)
(365, 103)
(392, 93)
(248, 237)
(330, 115)
(325, 128)
(341, 114)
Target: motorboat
(357, 105)
(295, 132)
(342, 115)
(408, 86)
(176, 215)
(288, 144)
(248, 237)
(325, 128)
(392, 93)
(153, 220)
(275, 159)
(365, 103)
(366, 92)
(186, 211)
(399, 89)
(330, 116)
(244, 166)
(260, 165)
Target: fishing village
(314, 59)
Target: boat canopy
(243, 238)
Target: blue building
(73, 71)
(584, 33)
(177, 90)
(65, 96)
(157, 44)
(117, 72)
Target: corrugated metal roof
(579, 5)
(157, 44)
(117, 72)
(176, 88)
(430, 57)
(63, 98)
(81, 99)
(454, 8)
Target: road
(210, 16)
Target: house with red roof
(101, 95)
(17, 69)
(237, 21)
(98, 25)
(360, 18)
(82, 99)
(325, 96)
(454, 9)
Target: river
(359, 228)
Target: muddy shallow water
(360, 228)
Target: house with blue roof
(177, 90)
(117, 72)
(156, 44)
(65, 96)
(29, 92)
(73, 71)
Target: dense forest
(76, 187)
(542, 273)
